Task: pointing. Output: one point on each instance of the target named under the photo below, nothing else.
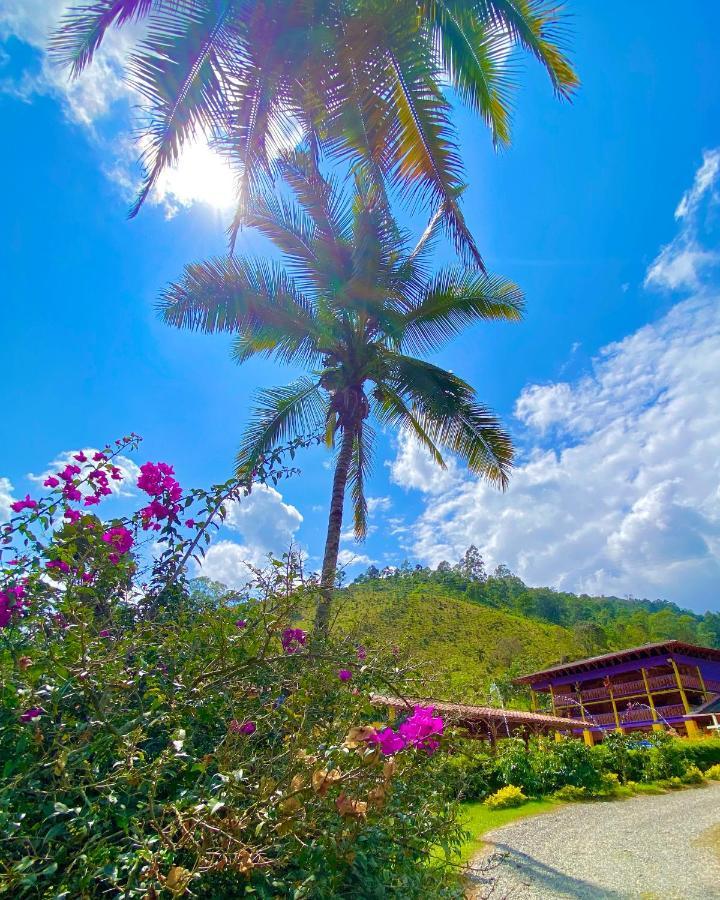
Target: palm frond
(360, 469)
(455, 299)
(447, 410)
(391, 409)
(281, 413)
(475, 59)
(538, 26)
(182, 68)
(238, 295)
(82, 29)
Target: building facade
(657, 686)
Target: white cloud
(228, 563)
(266, 524)
(378, 504)
(264, 520)
(347, 558)
(628, 498)
(6, 498)
(129, 470)
(682, 263)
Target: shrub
(160, 736)
(566, 763)
(506, 798)
(692, 775)
(713, 772)
(471, 774)
(703, 753)
(516, 766)
(571, 793)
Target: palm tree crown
(353, 304)
(366, 77)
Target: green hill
(473, 630)
(467, 645)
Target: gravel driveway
(646, 848)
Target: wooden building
(656, 686)
(486, 723)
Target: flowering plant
(161, 733)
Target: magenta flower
(72, 493)
(58, 564)
(72, 515)
(190, 523)
(69, 472)
(389, 741)
(344, 674)
(105, 633)
(361, 654)
(20, 505)
(80, 457)
(51, 481)
(99, 457)
(92, 500)
(293, 639)
(31, 714)
(119, 538)
(243, 727)
(87, 577)
(241, 623)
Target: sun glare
(201, 176)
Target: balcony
(565, 698)
(630, 716)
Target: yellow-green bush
(506, 798)
(571, 793)
(713, 772)
(692, 775)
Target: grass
(478, 820)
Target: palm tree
(353, 303)
(364, 78)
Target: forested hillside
(481, 628)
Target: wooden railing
(568, 697)
(628, 716)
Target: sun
(201, 175)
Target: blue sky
(609, 386)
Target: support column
(533, 700)
(618, 726)
(552, 700)
(690, 724)
(588, 737)
(651, 703)
(702, 684)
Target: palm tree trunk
(332, 541)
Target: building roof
(711, 708)
(619, 656)
(464, 712)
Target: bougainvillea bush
(159, 738)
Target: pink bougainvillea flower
(51, 481)
(105, 633)
(58, 564)
(419, 729)
(243, 727)
(190, 523)
(241, 623)
(32, 713)
(69, 472)
(116, 474)
(389, 741)
(72, 493)
(293, 639)
(87, 577)
(119, 538)
(72, 515)
(92, 500)
(20, 505)
(344, 674)
(99, 457)
(80, 457)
